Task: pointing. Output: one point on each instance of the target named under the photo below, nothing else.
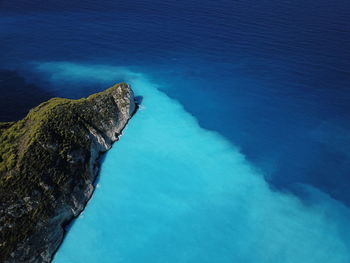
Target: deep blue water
(271, 77)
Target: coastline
(49, 166)
(66, 225)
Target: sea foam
(175, 192)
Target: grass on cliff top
(57, 114)
(33, 155)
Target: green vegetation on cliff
(45, 156)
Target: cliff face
(48, 163)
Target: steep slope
(48, 163)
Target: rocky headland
(48, 165)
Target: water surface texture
(266, 80)
(171, 191)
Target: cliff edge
(48, 163)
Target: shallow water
(171, 191)
(278, 71)
(268, 79)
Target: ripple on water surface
(171, 191)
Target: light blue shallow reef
(171, 191)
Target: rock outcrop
(48, 164)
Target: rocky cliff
(48, 163)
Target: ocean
(241, 149)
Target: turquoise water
(267, 85)
(171, 191)
(261, 92)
